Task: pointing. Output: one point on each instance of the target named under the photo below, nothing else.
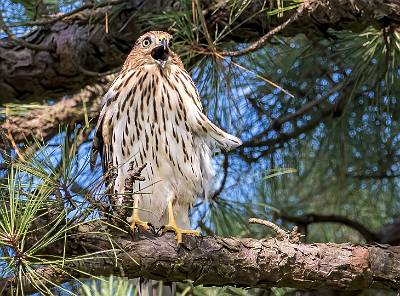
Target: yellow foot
(179, 232)
(136, 222)
(139, 223)
(171, 226)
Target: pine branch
(325, 111)
(63, 16)
(264, 39)
(246, 262)
(82, 38)
(308, 219)
(44, 122)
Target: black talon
(152, 228)
(160, 229)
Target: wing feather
(201, 125)
(103, 131)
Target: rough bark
(79, 43)
(43, 123)
(218, 261)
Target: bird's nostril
(160, 53)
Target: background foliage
(318, 114)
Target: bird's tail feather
(218, 138)
(147, 287)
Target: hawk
(152, 115)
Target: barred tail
(146, 287)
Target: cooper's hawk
(152, 115)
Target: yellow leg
(171, 226)
(136, 222)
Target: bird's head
(153, 48)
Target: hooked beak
(161, 53)
(164, 43)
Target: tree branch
(246, 262)
(44, 122)
(80, 38)
(325, 111)
(264, 39)
(315, 218)
(63, 16)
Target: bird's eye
(146, 42)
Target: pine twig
(263, 40)
(14, 145)
(68, 14)
(282, 235)
(5, 148)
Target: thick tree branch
(81, 39)
(63, 16)
(44, 122)
(248, 262)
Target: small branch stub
(282, 235)
(134, 174)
